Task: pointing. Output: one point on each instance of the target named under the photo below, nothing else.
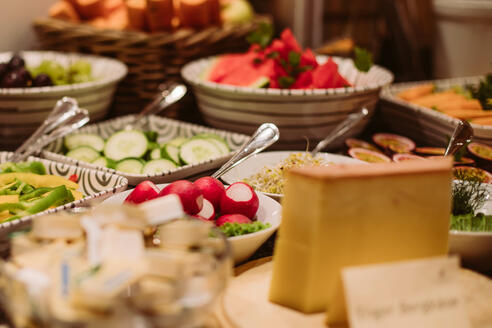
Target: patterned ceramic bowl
(93, 184)
(23, 109)
(167, 129)
(423, 124)
(299, 114)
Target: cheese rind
(340, 216)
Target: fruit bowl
(23, 109)
(242, 246)
(299, 113)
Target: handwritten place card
(419, 293)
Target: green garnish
(261, 36)
(28, 167)
(239, 229)
(483, 92)
(469, 195)
(286, 81)
(362, 59)
(471, 222)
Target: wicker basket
(151, 58)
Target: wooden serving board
(245, 302)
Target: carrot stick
(417, 92)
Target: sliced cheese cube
(340, 216)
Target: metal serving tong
(169, 93)
(341, 129)
(65, 117)
(266, 135)
(462, 135)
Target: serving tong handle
(341, 129)
(169, 93)
(266, 135)
(65, 117)
(462, 135)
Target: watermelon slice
(304, 81)
(308, 59)
(326, 76)
(226, 64)
(290, 41)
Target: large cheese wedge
(339, 216)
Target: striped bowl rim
(118, 68)
(192, 72)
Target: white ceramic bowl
(257, 162)
(23, 109)
(242, 246)
(310, 113)
(474, 248)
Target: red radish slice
(189, 194)
(207, 212)
(357, 143)
(481, 151)
(240, 198)
(143, 192)
(367, 155)
(232, 218)
(212, 190)
(393, 142)
(406, 157)
(430, 151)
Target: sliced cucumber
(84, 153)
(124, 144)
(158, 166)
(217, 140)
(100, 161)
(170, 152)
(177, 141)
(155, 153)
(84, 139)
(198, 150)
(130, 165)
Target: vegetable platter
(427, 125)
(89, 185)
(194, 158)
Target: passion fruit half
(393, 142)
(369, 156)
(472, 172)
(480, 150)
(430, 151)
(406, 157)
(357, 143)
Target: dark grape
(16, 62)
(17, 79)
(42, 80)
(3, 70)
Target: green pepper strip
(59, 195)
(12, 207)
(36, 193)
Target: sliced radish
(406, 157)
(232, 218)
(240, 198)
(144, 191)
(189, 194)
(207, 212)
(212, 190)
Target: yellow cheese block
(340, 216)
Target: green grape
(55, 71)
(79, 71)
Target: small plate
(243, 246)
(93, 184)
(255, 163)
(167, 129)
